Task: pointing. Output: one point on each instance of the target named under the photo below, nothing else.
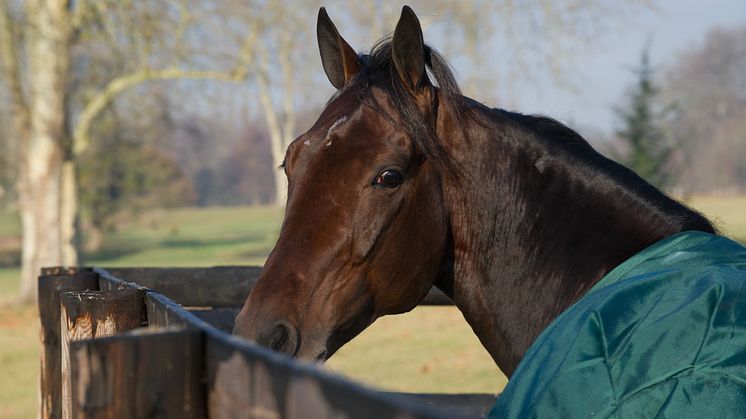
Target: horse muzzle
(278, 335)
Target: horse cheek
(370, 223)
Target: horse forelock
(378, 72)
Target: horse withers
(615, 299)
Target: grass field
(430, 349)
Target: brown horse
(403, 184)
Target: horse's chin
(320, 351)
(318, 355)
(322, 357)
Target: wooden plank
(243, 377)
(51, 283)
(147, 373)
(220, 286)
(247, 381)
(109, 282)
(240, 374)
(163, 312)
(90, 314)
(63, 270)
(456, 406)
(221, 318)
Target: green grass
(192, 237)
(430, 349)
(10, 224)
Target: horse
(403, 184)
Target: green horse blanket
(663, 335)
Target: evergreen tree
(647, 150)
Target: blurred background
(148, 133)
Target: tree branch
(81, 133)
(10, 70)
(265, 98)
(288, 90)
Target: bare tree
(39, 126)
(278, 62)
(37, 46)
(707, 85)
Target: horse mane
(576, 149)
(378, 70)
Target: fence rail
(155, 342)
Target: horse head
(365, 232)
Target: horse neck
(536, 222)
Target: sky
(605, 70)
(600, 73)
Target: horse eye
(389, 179)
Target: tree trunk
(275, 137)
(69, 213)
(42, 153)
(278, 138)
(94, 238)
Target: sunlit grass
(193, 237)
(428, 350)
(9, 285)
(19, 361)
(728, 213)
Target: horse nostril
(283, 338)
(279, 337)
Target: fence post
(148, 372)
(52, 281)
(90, 314)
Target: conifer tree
(641, 128)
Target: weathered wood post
(52, 281)
(90, 314)
(146, 373)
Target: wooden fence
(156, 342)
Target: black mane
(378, 70)
(581, 154)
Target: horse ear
(340, 61)
(408, 50)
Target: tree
(707, 83)
(281, 125)
(38, 125)
(647, 151)
(37, 41)
(7, 160)
(123, 172)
